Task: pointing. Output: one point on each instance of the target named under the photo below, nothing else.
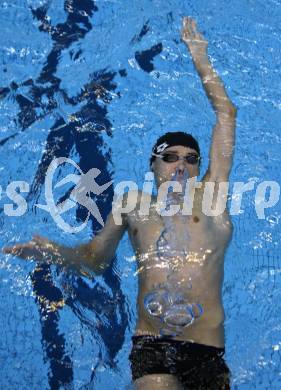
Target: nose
(181, 166)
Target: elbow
(100, 261)
(227, 114)
(231, 110)
(100, 268)
(95, 266)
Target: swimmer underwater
(179, 338)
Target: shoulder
(223, 221)
(212, 197)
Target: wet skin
(204, 240)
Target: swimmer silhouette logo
(84, 184)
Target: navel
(135, 232)
(195, 219)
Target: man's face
(164, 171)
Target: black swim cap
(173, 139)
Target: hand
(195, 41)
(36, 249)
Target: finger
(39, 239)
(36, 236)
(193, 27)
(9, 249)
(36, 239)
(195, 30)
(185, 19)
(20, 247)
(6, 249)
(185, 22)
(12, 251)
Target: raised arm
(222, 146)
(94, 256)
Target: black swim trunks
(196, 366)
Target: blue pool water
(98, 82)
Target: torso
(204, 240)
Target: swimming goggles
(192, 159)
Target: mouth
(180, 174)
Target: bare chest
(194, 233)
